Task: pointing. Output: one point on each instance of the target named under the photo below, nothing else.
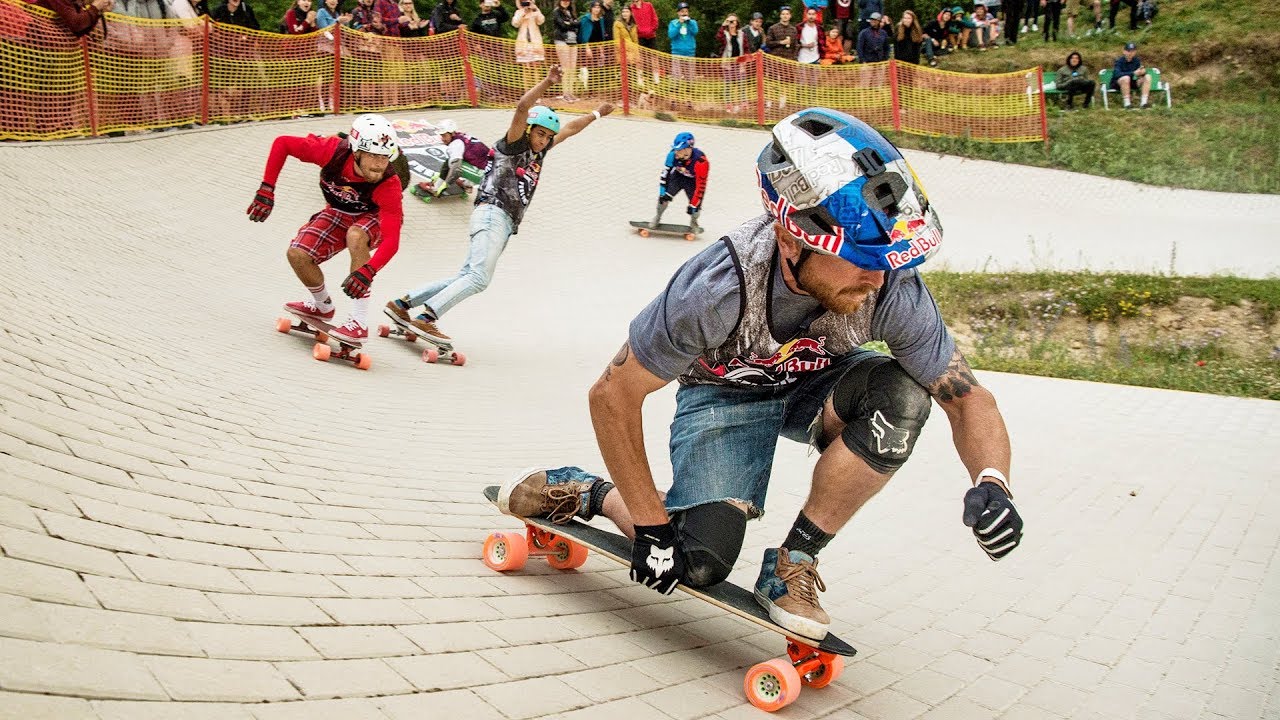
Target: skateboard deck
(435, 352)
(672, 229)
(769, 685)
(320, 331)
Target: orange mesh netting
(160, 73)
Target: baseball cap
(875, 16)
(682, 6)
(1131, 46)
(785, 7)
(957, 9)
(757, 16)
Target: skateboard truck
(505, 551)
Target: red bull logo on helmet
(921, 240)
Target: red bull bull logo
(797, 356)
(921, 239)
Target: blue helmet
(682, 141)
(545, 117)
(843, 189)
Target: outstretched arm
(521, 117)
(977, 428)
(576, 125)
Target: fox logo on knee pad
(660, 561)
(889, 439)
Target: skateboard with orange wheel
(770, 685)
(438, 350)
(320, 331)
(645, 230)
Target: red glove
(262, 203)
(357, 283)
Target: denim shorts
(723, 438)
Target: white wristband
(993, 473)
(596, 113)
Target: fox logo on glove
(660, 560)
(889, 439)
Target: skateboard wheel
(365, 362)
(410, 337)
(430, 355)
(383, 330)
(322, 337)
(321, 351)
(283, 325)
(827, 673)
(505, 551)
(644, 232)
(772, 685)
(689, 236)
(460, 359)
(566, 555)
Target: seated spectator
(873, 42)
(492, 20)
(909, 40)
(844, 17)
(300, 19)
(235, 12)
(79, 19)
(411, 23)
(833, 52)
(1074, 78)
(1129, 71)
(330, 14)
(446, 17)
(936, 32)
(957, 29)
(985, 27)
(1147, 10)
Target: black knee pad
(710, 537)
(883, 409)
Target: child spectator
(300, 19)
(492, 19)
(833, 52)
(1129, 71)
(1074, 78)
(842, 16)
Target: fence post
(88, 87)
(626, 79)
(759, 87)
(337, 68)
(466, 67)
(1044, 118)
(893, 94)
(204, 90)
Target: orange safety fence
(162, 73)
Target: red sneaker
(351, 332)
(307, 307)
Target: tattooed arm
(616, 401)
(976, 424)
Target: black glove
(694, 210)
(995, 521)
(656, 561)
(263, 201)
(357, 283)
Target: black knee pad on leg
(883, 409)
(710, 537)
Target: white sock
(1127, 103)
(360, 310)
(321, 297)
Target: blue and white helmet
(682, 141)
(843, 189)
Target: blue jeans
(490, 229)
(723, 438)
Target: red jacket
(646, 19)
(78, 18)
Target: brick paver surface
(199, 520)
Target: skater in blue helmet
(686, 170)
(504, 195)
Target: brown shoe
(427, 328)
(398, 311)
(788, 588)
(558, 494)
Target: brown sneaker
(558, 494)
(788, 588)
(398, 310)
(427, 328)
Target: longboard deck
(725, 595)
(324, 327)
(664, 228)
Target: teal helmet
(545, 117)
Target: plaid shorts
(325, 234)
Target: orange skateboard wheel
(459, 359)
(321, 352)
(384, 330)
(566, 555)
(689, 236)
(505, 551)
(830, 672)
(283, 325)
(644, 232)
(365, 362)
(430, 355)
(772, 685)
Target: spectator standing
(753, 34)
(866, 8)
(782, 38)
(936, 35)
(566, 40)
(646, 23)
(79, 19)
(1133, 13)
(147, 9)
(1129, 71)
(873, 42)
(625, 26)
(683, 33)
(529, 47)
(1074, 78)
(330, 14)
(810, 38)
(592, 27)
(235, 12)
(909, 40)
(411, 23)
(361, 15)
(729, 43)
(300, 19)
(1052, 17)
(492, 20)
(1030, 15)
(1073, 9)
(446, 17)
(386, 18)
(841, 13)
(1012, 21)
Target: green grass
(1016, 324)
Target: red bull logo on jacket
(793, 358)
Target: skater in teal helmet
(504, 195)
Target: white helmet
(447, 126)
(373, 134)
